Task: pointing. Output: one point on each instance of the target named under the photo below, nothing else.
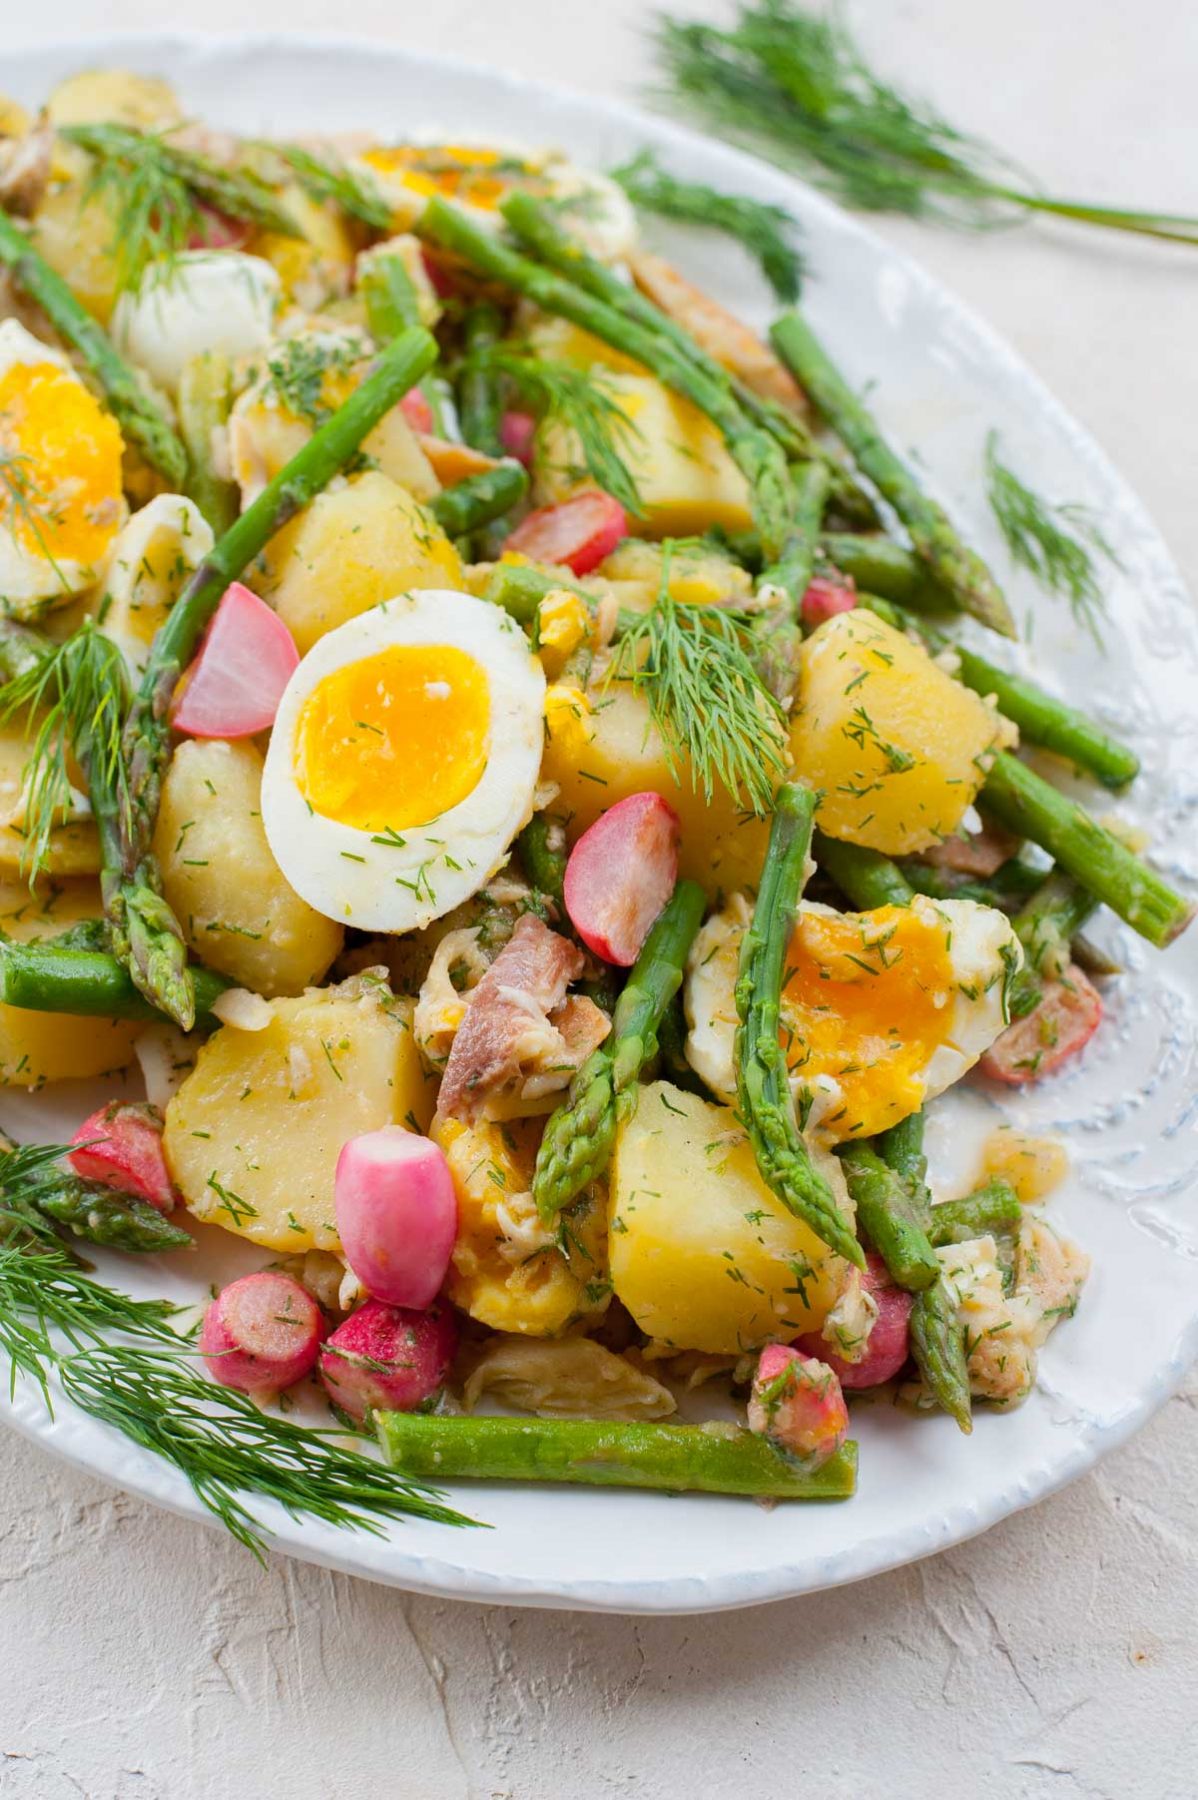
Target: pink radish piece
(245, 660)
(219, 231)
(1059, 1026)
(121, 1145)
(796, 1402)
(417, 411)
(578, 533)
(388, 1358)
(825, 597)
(261, 1333)
(888, 1346)
(620, 874)
(397, 1214)
(516, 433)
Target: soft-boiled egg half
(881, 1010)
(206, 300)
(61, 500)
(478, 178)
(403, 759)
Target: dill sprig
(76, 695)
(162, 196)
(328, 178)
(766, 232)
(147, 1386)
(1056, 542)
(580, 401)
(795, 86)
(706, 699)
(23, 503)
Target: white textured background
(1054, 1659)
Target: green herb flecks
(325, 178)
(767, 232)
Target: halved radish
(388, 1358)
(797, 1404)
(245, 660)
(262, 1333)
(888, 1346)
(416, 410)
(516, 433)
(620, 874)
(121, 1145)
(219, 231)
(397, 1214)
(826, 596)
(578, 533)
(1063, 1021)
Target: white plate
(942, 380)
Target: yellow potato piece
(896, 746)
(601, 750)
(697, 576)
(702, 1254)
(39, 1047)
(315, 266)
(541, 1292)
(77, 236)
(349, 550)
(238, 912)
(74, 848)
(253, 1135)
(114, 97)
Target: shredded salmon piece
(717, 330)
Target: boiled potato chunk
(314, 267)
(39, 1047)
(350, 550)
(702, 1254)
(898, 748)
(600, 750)
(503, 1271)
(77, 236)
(238, 912)
(253, 1134)
(698, 576)
(114, 97)
(73, 847)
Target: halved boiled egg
(152, 558)
(881, 1010)
(403, 760)
(479, 178)
(61, 500)
(206, 300)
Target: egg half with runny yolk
(403, 760)
(61, 502)
(880, 1010)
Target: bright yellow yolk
(867, 1001)
(395, 740)
(463, 176)
(63, 461)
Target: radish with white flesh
(1061, 1024)
(121, 1145)
(388, 1358)
(620, 874)
(576, 534)
(826, 596)
(397, 1214)
(888, 1346)
(516, 433)
(797, 1404)
(262, 1333)
(246, 659)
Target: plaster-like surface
(142, 1658)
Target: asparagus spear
(535, 226)
(901, 1149)
(762, 1083)
(237, 192)
(542, 847)
(1025, 803)
(892, 1217)
(140, 417)
(59, 978)
(778, 632)
(938, 1348)
(519, 589)
(145, 932)
(598, 1453)
(392, 306)
(865, 877)
(100, 1214)
(756, 453)
(1046, 927)
(1009, 885)
(932, 533)
(879, 566)
(478, 499)
(989, 1211)
(580, 1135)
(205, 398)
(480, 400)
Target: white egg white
(152, 557)
(344, 872)
(207, 300)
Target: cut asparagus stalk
(205, 398)
(597, 1453)
(478, 499)
(866, 878)
(480, 401)
(777, 636)
(938, 1350)
(50, 978)
(893, 1218)
(1046, 927)
(101, 1215)
(988, 1211)
(932, 532)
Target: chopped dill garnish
(327, 178)
(298, 366)
(1055, 542)
(767, 232)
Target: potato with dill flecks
(36, 1047)
(898, 748)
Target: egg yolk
(456, 171)
(396, 739)
(867, 1001)
(61, 452)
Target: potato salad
(518, 792)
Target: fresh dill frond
(162, 197)
(24, 505)
(706, 699)
(766, 232)
(327, 178)
(1057, 543)
(76, 698)
(580, 401)
(795, 86)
